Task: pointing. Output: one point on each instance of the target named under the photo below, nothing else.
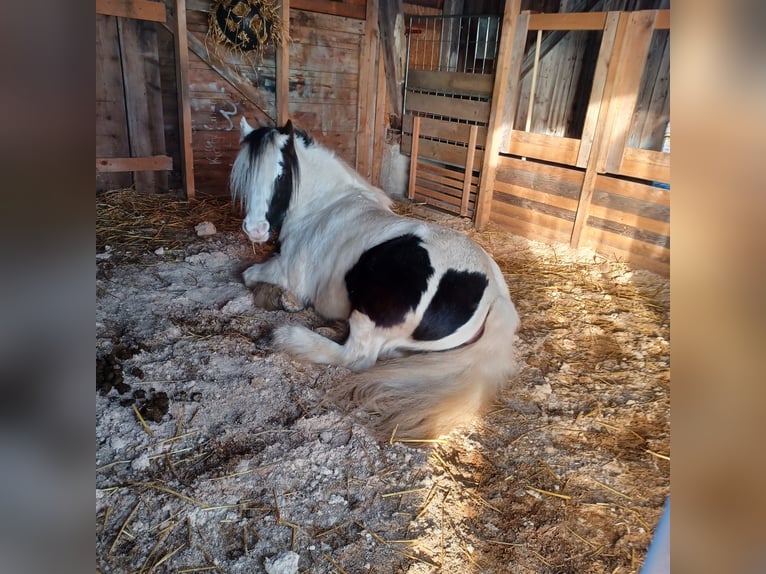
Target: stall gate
(562, 135)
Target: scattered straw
(141, 420)
(549, 493)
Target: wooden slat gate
(448, 89)
(596, 187)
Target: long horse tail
(425, 395)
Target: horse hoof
(290, 302)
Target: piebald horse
(431, 322)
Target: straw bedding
(215, 454)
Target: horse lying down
(431, 322)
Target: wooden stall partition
(593, 188)
(130, 134)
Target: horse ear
(244, 128)
(289, 127)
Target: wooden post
(391, 25)
(511, 19)
(379, 132)
(414, 157)
(608, 59)
(365, 116)
(283, 66)
(184, 106)
(468, 174)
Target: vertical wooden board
(630, 67)
(366, 102)
(597, 91)
(111, 126)
(500, 107)
(468, 176)
(414, 157)
(283, 66)
(171, 118)
(182, 81)
(143, 98)
(379, 134)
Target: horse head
(264, 177)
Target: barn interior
(540, 128)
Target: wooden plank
(468, 171)
(392, 41)
(658, 262)
(534, 195)
(367, 73)
(471, 110)
(444, 153)
(379, 135)
(447, 173)
(143, 98)
(415, 151)
(646, 164)
(568, 21)
(135, 9)
(504, 98)
(548, 148)
(597, 89)
(331, 7)
(662, 22)
(283, 66)
(542, 177)
(424, 175)
(528, 229)
(630, 68)
(450, 82)
(602, 130)
(138, 164)
(446, 190)
(602, 238)
(631, 219)
(633, 190)
(551, 222)
(328, 22)
(445, 130)
(182, 81)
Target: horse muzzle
(259, 233)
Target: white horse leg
(268, 272)
(360, 351)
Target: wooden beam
(597, 89)
(500, 107)
(120, 164)
(333, 8)
(637, 39)
(137, 9)
(365, 117)
(283, 66)
(468, 171)
(568, 21)
(414, 157)
(184, 104)
(379, 131)
(391, 25)
(611, 55)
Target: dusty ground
(215, 454)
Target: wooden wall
(335, 89)
(332, 88)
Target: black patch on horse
(454, 302)
(389, 279)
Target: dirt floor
(215, 454)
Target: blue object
(658, 557)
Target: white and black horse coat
(424, 299)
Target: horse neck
(325, 177)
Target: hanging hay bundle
(246, 26)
